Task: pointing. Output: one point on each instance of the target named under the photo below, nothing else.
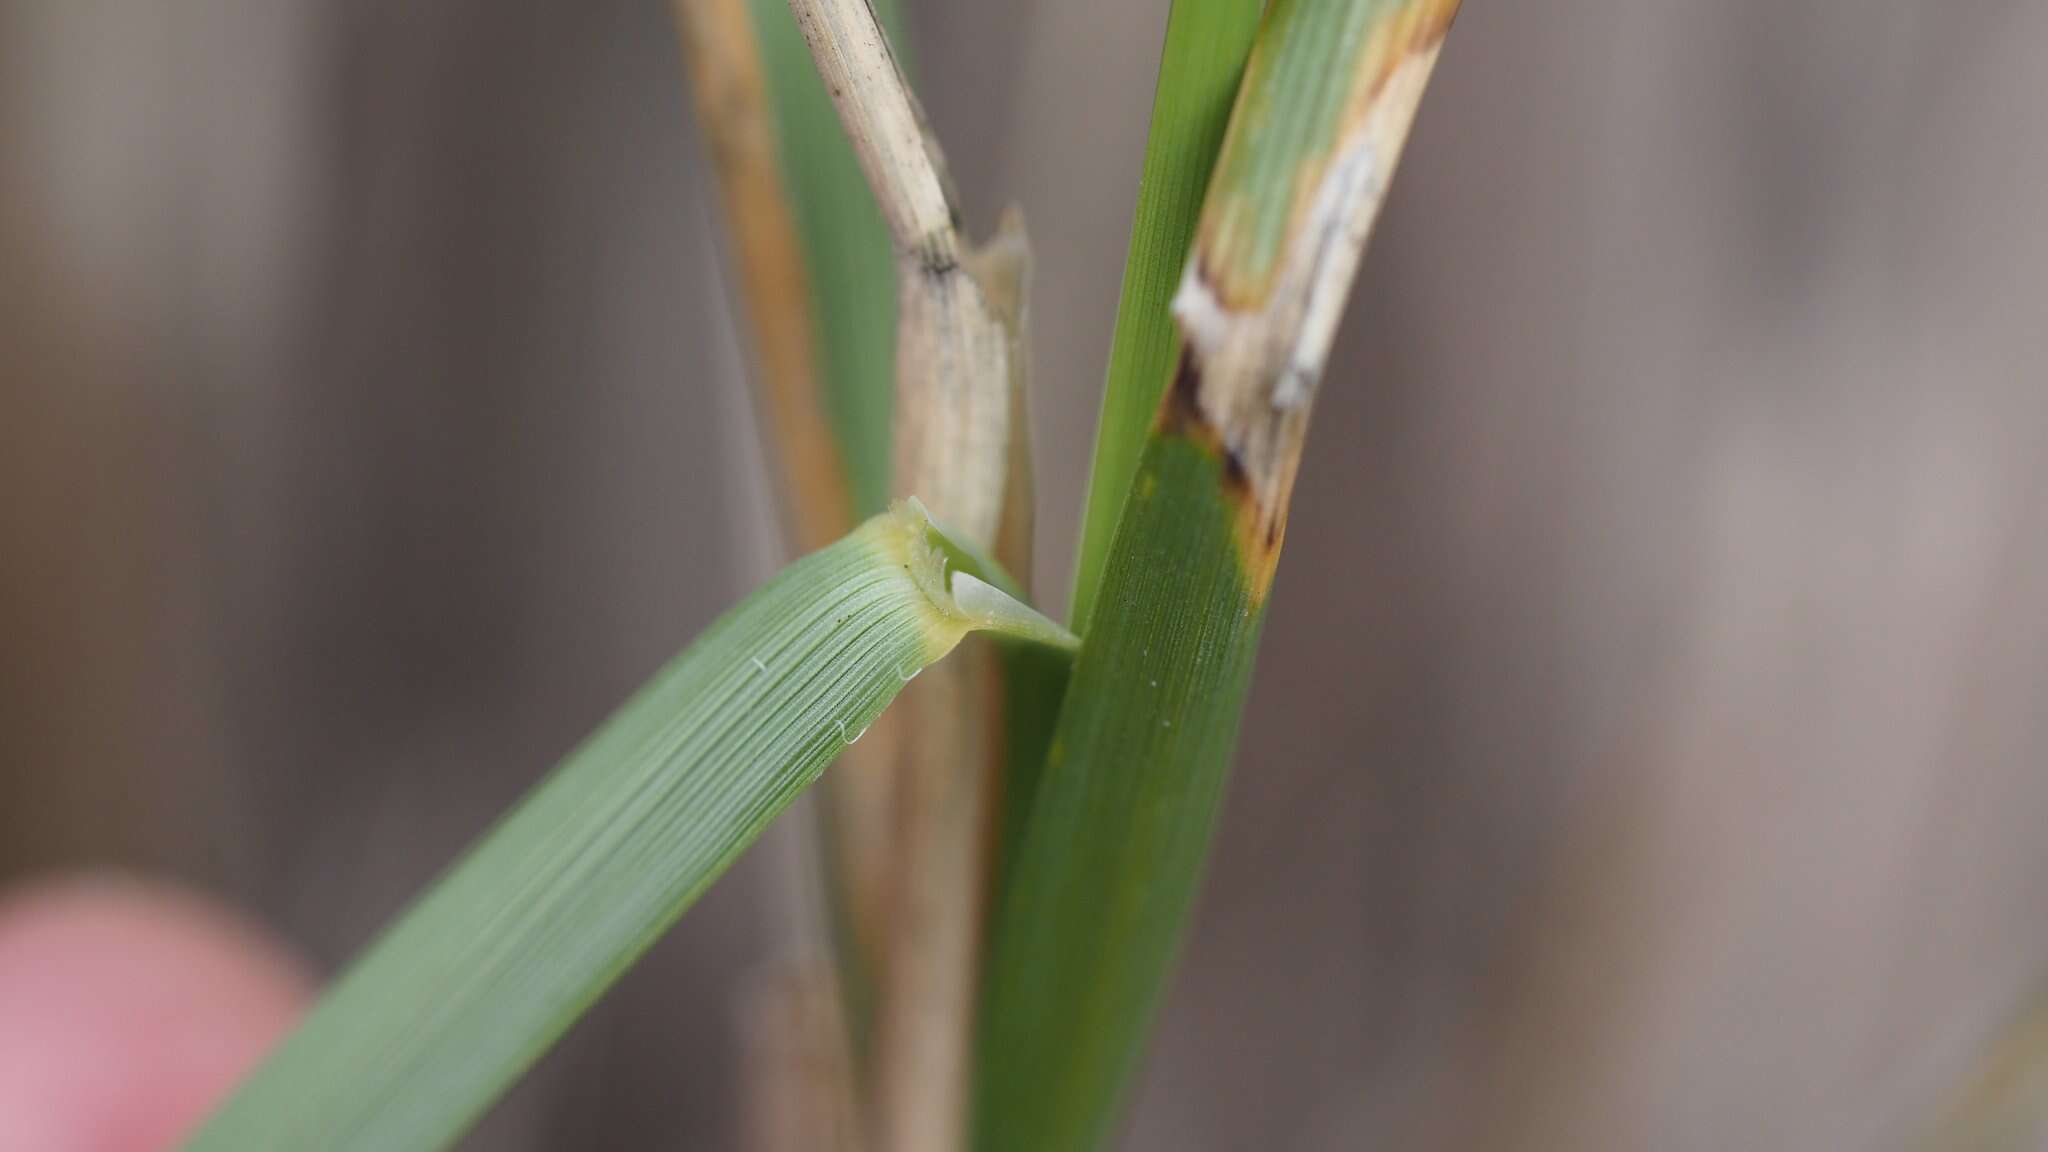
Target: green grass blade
(474, 982)
(1199, 68)
(1121, 821)
(846, 252)
(1113, 848)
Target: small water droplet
(856, 735)
(1155, 683)
(910, 675)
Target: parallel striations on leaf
(496, 960)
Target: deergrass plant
(1015, 862)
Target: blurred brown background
(1649, 745)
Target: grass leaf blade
(1120, 822)
(1199, 68)
(539, 917)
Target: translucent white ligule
(962, 597)
(984, 605)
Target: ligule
(970, 590)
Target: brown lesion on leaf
(1256, 328)
(1417, 29)
(1433, 22)
(1180, 411)
(1260, 521)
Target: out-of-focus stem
(727, 83)
(799, 1089)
